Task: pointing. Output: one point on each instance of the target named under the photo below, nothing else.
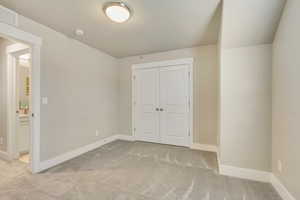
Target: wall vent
(8, 16)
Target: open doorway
(19, 97)
(16, 108)
(20, 100)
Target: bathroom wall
(23, 134)
(24, 73)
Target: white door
(161, 105)
(174, 105)
(146, 105)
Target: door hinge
(134, 129)
(134, 77)
(189, 74)
(189, 133)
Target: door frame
(13, 33)
(159, 64)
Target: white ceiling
(157, 25)
(250, 22)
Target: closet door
(174, 108)
(146, 105)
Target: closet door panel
(174, 97)
(147, 97)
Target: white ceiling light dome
(117, 11)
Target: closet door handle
(161, 109)
(157, 109)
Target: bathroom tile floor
(25, 158)
(131, 171)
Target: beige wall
(82, 86)
(205, 89)
(286, 98)
(245, 107)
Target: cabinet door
(146, 105)
(174, 104)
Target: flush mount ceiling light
(117, 11)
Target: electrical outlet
(97, 133)
(1, 140)
(279, 166)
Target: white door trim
(11, 32)
(166, 63)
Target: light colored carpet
(131, 171)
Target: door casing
(184, 61)
(35, 43)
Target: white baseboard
(226, 170)
(218, 159)
(204, 147)
(257, 175)
(4, 155)
(75, 153)
(281, 189)
(126, 137)
(243, 173)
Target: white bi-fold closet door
(162, 103)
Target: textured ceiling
(157, 25)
